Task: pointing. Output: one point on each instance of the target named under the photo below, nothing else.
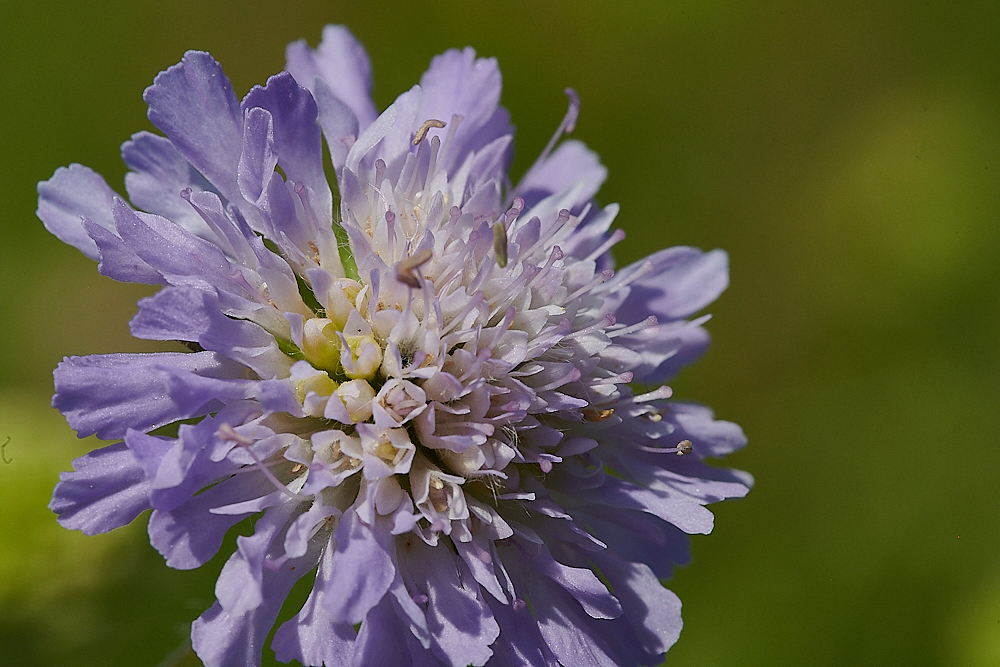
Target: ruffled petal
(652, 612)
(710, 436)
(106, 490)
(194, 104)
(297, 141)
(183, 313)
(682, 282)
(461, 624)
(110, 393)
(568, 164)
(74, 193)
(188, 536)
(362, 570)
(457, 84)
(342, 64)
(311, 636)
(225, 639)
(159, 175)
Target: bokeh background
(846, 154)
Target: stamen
(604, 276)
(229, 434)
(514, 210)
(573, 375)
(656, 394)
(454, 213)
(422, 131)
(432, 165)
(379, 172)
(390, 222)
(615, 237)
(606, 321)
(500, 243)
(552, 232)
(647, 323)
(567, 125)
(303, 194)
(406, 268)
(623, 278)
(683, 448)
(623, 378)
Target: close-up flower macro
(468, 334)
(429, 386)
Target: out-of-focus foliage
(847, 155)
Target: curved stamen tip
(186, 194)
(573, 112)
(421, 132)
(406, 269)
(299, 187)
(229, 434)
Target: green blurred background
(847, 156)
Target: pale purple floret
(433, 413)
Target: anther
(406, 268)
(422, 131)
(500, 242)
(684, 447)
(437, 494)
(595, 415)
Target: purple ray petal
(106, 490)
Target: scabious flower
(423, 391)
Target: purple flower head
(418, 382)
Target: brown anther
(592, 415)
(297, 467)
(684, 447)
(419, 135)
(437, 494)
(500, 243)
(406, 268)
